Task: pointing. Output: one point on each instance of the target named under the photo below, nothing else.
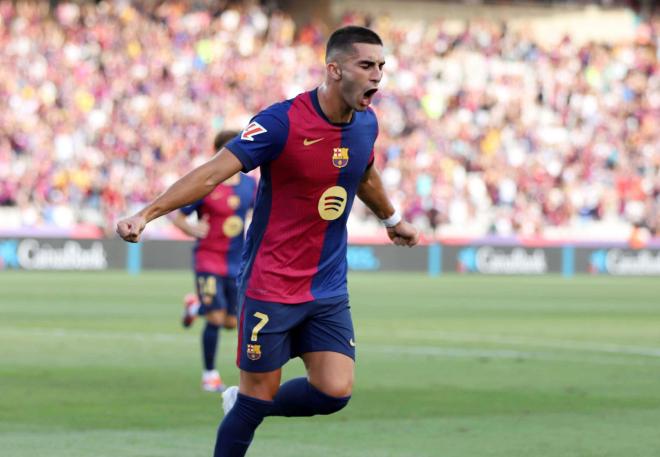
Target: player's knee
(215, 318)
(211, 329)
(338, 388)
(230, 322)
(331, 404)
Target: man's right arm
(372, 193)
(190, 188)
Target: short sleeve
(263, 139)
(189, 209)
(372, 157)
(253, 191)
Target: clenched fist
(131, 228)
(403, 234)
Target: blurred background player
(216, 259)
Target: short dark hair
(343, 39)
(222, 138)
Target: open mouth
(366, 97)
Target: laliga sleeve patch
(252, 130)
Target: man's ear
(334, 70)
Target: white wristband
(393, 220)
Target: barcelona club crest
(254, 351)
(340, 157)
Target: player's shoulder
(273, 120)
(370, 115)
(368, 119)
(278, 111)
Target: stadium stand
(485, 127)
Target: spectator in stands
(483, 129)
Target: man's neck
(333, 105)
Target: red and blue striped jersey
(225, 208)
(310, 172)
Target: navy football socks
(210, 345)
(298, 398)
(295, 398)
(237, 428)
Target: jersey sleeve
(262, 140)
(189, 209)
(253, 191)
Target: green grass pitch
(96, 365)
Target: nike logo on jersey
(307, 142)
(252, 130)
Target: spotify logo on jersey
(232, 227)
(332, 203)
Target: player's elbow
(212, 181)
(210, 174)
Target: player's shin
(210, 337)
(237, 428)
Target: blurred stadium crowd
(482, 129)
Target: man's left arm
(372, 193)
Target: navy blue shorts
(272, 333)
(216, 293)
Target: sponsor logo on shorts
(351, 342)
(254, 351)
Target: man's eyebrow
(371, 61)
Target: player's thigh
(265, 334)
(326, 342)
(330, 372)
(263, 386)
(327, 327)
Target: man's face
(361, 72)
